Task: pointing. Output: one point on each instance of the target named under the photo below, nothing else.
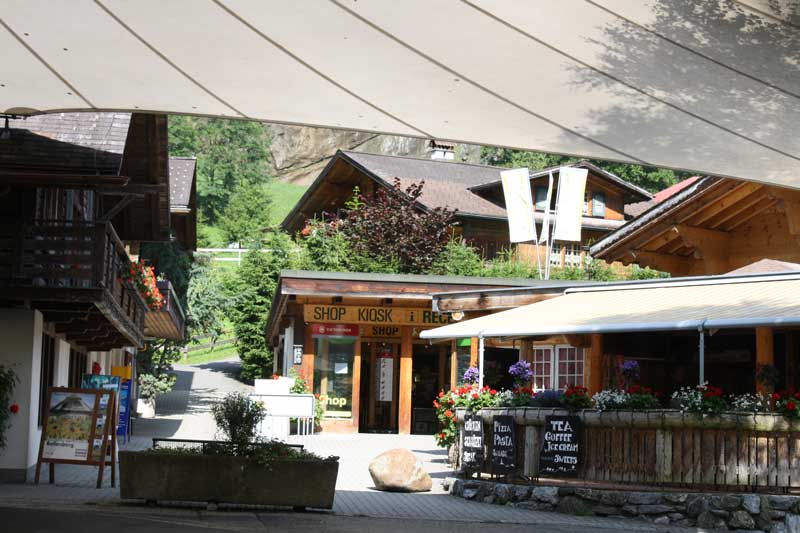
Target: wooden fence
(668, 448)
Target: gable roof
(80, 143)
(447, 183)
(635, 190)
(181, 178)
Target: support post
(404, 402)
(594, 365)
(356, 393)
(453, 364)
(702, 355)
(480, 361)
(308, 357)
(765, 352)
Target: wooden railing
(668, 447)
(169, 322)
(66, 261)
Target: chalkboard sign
(503, 445)
(472, 447)
(561, 446)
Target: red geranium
(493, 392)
(441, 393)
(448, 413)
(790, 405)
(475, 395)
(14, 408)
(435, 404)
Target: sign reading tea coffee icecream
(503, 456)
(354, 314)
(561, 446)
(472, 446)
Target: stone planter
(207, 478)
(146, 408)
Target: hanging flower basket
(144, 279)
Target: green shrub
(458, 259)
(237, 418)
(8, 380)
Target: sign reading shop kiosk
(355, 314)
(561, 446)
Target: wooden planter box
(209, 478)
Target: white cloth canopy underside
(646, 306)
(711, 86)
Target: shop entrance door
(380, 371)
(429, 369)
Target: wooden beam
(674, 264)
(71, 181)
(728, 200)
(593, 369)
(119, 206)
(404, 401)
(765, 353)
(791, 206)
(710, 245)
(579, 341)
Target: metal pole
(480, 361)
(702, 355)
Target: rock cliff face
(299, 153)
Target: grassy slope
(284, 197)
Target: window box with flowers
(143, 279)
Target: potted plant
(8, 379)
(240, 469)
(149, 387)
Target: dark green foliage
(390, 228)
(208, 301)
(8, 380)
(247, 215)
(648, 178)
(457, 259)
(237, 418)
(324, 247)
(230, 154)
(254, 288)
(151, 385)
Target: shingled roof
(446, 182)
(81, 143)
(181, 176)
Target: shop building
(355, 339)
(79, 192)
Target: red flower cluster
(14, 408)
(144, 278)
(638, 389)
(712, 392)
(524, 390)
(576, 391)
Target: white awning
(692, 304)
(712, 87)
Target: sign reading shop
(561, 446)
(355, 314)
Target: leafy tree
(458, 259)
(325, 247)
(247, 214)
(649, 178)
(255, 286)
(392, 228)
(229, 153)
(208, 302)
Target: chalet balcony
(169, 322)
(71, 273)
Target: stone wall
(721, 511)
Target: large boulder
(399, 470)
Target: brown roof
(446, 182)
(765, 266)
(181, 177)
(85, 143)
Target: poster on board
(68, 430)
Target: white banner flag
(569, 203)
(519, 205)
(546, 220)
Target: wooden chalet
(709, 226)
(473, 191)
(79, 192)
(355, 340)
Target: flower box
(220, 479)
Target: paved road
(28, 520)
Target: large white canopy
(681, 304)
(711, 86)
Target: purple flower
(471, 375)
(521, 371)
(630, 369)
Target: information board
(77, 427)
(385, 376)
(124, 409)
(472, 446)
(504, 452)
(561, 446)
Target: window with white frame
(557, 367)
(573, 255)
